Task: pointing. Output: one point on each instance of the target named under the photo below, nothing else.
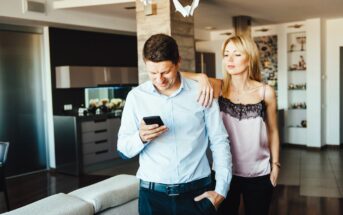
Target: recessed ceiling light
(130, 7)
(226, 33)
(209, 28)
(295, 26)
(262, 29)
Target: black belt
(176, 189)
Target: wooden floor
(287, 198)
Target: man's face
(164, 75)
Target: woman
(248, 109)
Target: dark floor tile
(316, 191)
(319, 182)
(316, 174)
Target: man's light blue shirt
(178, 155)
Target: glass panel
(106, 93)
(21, 101)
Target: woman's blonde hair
(247, 46)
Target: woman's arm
(209, 87)
(273, 133)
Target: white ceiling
(218, 13)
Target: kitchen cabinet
(93, 76)
(84, 141)
(98, 140)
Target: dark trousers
(158, 203)
(257, 194)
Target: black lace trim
(242, 111)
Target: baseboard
(333, 146)
(52, 170)
(291, 145)
(311, 148)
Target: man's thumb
(198, 198)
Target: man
(174, 171)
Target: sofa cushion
(129, 208)
(109, 193)
(59, 204)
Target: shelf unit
(296, 115)
(308, 82)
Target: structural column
(242, 25)
(165, 20)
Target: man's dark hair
(161, 47)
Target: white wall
(12, 11)
(313, 82)
(334, 35)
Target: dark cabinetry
(85, 48)
(81, 142)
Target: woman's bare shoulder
(270, 95)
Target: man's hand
(213, 196)
(149, 132)
(205, 95)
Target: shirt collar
(183, 86)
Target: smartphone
(149, 120)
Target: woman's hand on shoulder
(209, 88)
(205, 94)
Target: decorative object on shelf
(103, 106)
(117, 103)
(267, 46)
(302, 64)
(292, 86)
(93, 105)
(299, 105)
(302, 41)
(303, 123)
(291, 47)
(293, 67)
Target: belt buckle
(171, 190)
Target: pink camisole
(246, 126)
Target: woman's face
(235, 62)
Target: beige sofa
(117, 195)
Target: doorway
(21, 99)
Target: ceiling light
(295, 26)
(262, 29)
(130, 7)
(226, 33)
(209, 28)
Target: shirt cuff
(135, 147)
(222, 188)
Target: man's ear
(178, 63)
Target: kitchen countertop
(95, 117)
